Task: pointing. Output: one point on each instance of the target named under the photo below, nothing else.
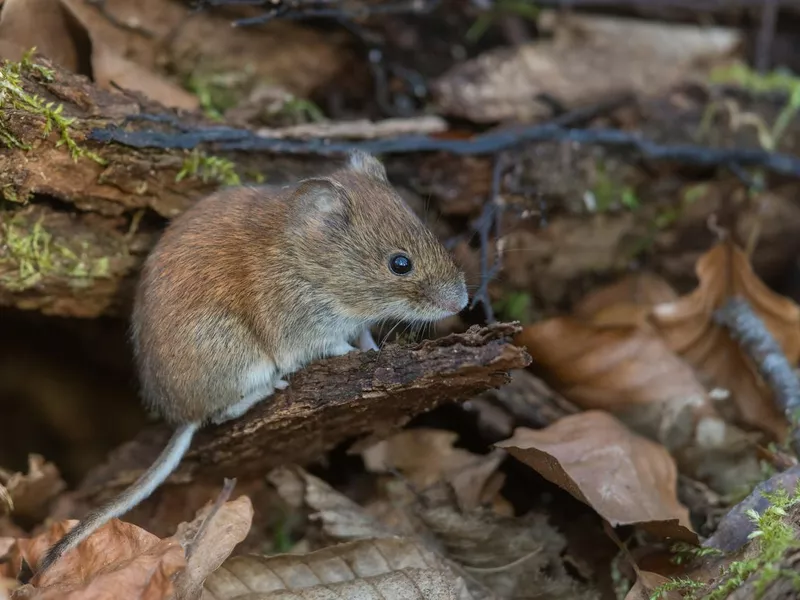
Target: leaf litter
(653, 373)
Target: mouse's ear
(367, 164)
(319, 204)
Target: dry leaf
(119, 560)
(43, 24)
(427, 456)
(510, 557)
(31, 493)
(688, 328)
(626, 301)
(589, 59)
(228, 526)
(370, 568)
(646, 582)
(110, 68)
(341, 518)
(627, 479)
(610, 368)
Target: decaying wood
(98, 217)
(330, 402)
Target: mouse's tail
(166, 463)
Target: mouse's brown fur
(251, 284)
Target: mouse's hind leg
(257, 384)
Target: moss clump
(208, 168)
(13, 96)
(29, 253)
(772, 539)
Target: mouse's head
(364, 249)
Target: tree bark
(363, 394)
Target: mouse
(252, 283)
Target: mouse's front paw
(342, 348)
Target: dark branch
(230, 139)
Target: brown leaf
(31, 493)
(341, 518)
(506, 556)
(427, 456)
(627, 479)
(626, 301)
(228, 526)
(589, 59)
(609, 368)
(646, 582)
(370, 568)
(43, 24)
(110, 68)
(119, 560)
(688, 328)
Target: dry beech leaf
(371, 568)
(341, 518)
(427, 456)
(646, 582)
(627, 479)
(507, 556)
(688, 328)
(626, 301)
(119, 560)
(228, 526)
(609, 368)
(588, 59)
(43, 24)
(31, 492)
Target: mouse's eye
(400, 264)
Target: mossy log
(78, 216)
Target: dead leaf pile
(154, 47)
(663, 365)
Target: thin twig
(489, 219)
(766, 34)
(100, 5)
(759, 344)
(222, 498)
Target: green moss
(29, 253)
(208, 168)
(501, 8)
(301, 110)
(780, 81)
(515, 306)
(609, 194)
(13, 96)
(772, 539)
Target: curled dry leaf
(341, 518)
(627, 479)
(42, 24)
(646, 582)
(588, 59)
(371, 568)
(31, 492)
(629, 371)
(427, 456)
(687, 326)
(119, 560)
(627, 301)
(609, 368)
(228, 526)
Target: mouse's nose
(455, 299)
